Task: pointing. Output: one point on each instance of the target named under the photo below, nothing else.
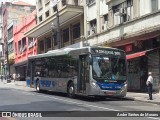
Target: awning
(138, 54)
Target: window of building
(47, 13)
(30, 42)
(154, 5)
(65, 34)
(24, 46)
(93, 27)
(75, 2)
(10, 33)
(105, 22)
(19, 47)
(116, 14)
(89, 2)
(42, 45)
(15, 48)
(129, 10)
(64, 2)
(55, 8)
(40, 18)
(76, 31)
(40, 5)
(48, 42)
(10, 48)
(105, 18)
(122, 12)
(129, 3)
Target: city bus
(86, 71)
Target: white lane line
(82, 104)
(154, 118)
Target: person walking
(18, 77)
(149, 84)
(14, 77)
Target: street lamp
(58, 30)
(8, 66)
(2, 67)
(2, 59)
(53, 34)
(5, 54)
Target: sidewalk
(20, 85)
(142, 97)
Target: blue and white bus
(87, 71)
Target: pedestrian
(149, 84)
(18, 77)
(14, 77)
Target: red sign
(128, 48)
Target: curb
(129, 98)
(20, 85)
(149, 101)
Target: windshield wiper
(116, 63)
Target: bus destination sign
(108, 52)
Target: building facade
(12, 14)
(24, 46)
(1, 41)
(62, 19)
(131, 25)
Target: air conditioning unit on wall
(104, 27)
(92, 31)
(122, 11)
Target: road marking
(154, 118)
(84, 104)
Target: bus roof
(65, 51)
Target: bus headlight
(94, 84)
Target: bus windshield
(111, 68)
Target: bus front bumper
(115, 93)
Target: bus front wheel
(71, 90)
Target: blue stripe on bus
(28, 82)
(110, 86)
(47, 83)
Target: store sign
(128, 48)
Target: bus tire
(71, 90)
(38, 86)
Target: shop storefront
(20, 68)
(140, 62)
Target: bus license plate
(111, 92)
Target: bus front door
(83, 73)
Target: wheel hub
(37, 87)
(71, 90)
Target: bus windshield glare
(111, 68)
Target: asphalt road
(17, 100)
